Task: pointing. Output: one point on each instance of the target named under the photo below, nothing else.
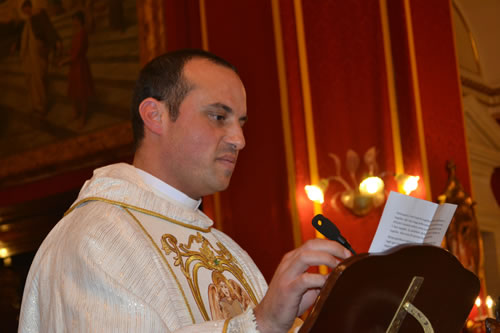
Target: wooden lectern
(410, 288)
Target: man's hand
(292, 289)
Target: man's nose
(235, 137)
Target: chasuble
(127, 258)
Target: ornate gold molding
(286, 121)
(417, 100)
(391, 88)
(96, 148)
(151, 22)
(480, 87)
(471, 37)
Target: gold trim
(418, 106)
(165, 260)
(226, 323)
(469, 33)
(286, 123)
(391, 89)
(250, 284)
(148, 37)
(203, 24)
(308, 112)
(141, 210)
(161, 29)
(151, 16)
(306, 94)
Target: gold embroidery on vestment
(226, 323)
(165, 260)
(220, 261)
(139, 209)
(216, 260)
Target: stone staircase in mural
(114, 59)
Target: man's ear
(152, 112)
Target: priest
(135, 253)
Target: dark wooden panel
(24, 226)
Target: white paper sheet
(411, 220)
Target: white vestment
(126, 259)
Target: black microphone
(330, 231)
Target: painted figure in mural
(80, 82)
(135, 253)
(38, 39)
(227, 298)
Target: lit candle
(489, 305)
(478, 303)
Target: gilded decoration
(463, 237)
(226, 297)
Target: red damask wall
(349, 93)
(440, 92)
(349, 98)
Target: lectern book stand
(410, 288)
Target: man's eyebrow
(221, 106)
(226, 109)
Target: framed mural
(67, 73)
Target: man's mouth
(227, 159)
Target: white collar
(166, 191)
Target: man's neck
(166, 191)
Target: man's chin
(223, 184)
(223, 187)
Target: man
(135, 253)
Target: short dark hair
(162, 79)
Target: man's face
(200, 147)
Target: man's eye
(218, 117)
